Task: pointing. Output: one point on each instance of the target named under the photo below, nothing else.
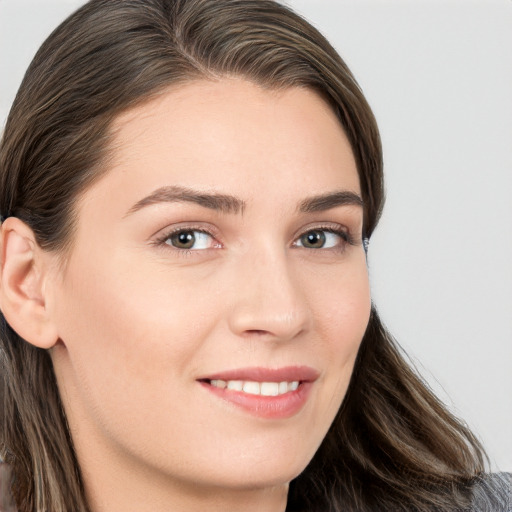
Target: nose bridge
(267, 297)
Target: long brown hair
(393, 445)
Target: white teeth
(253, 388)
(269, 388)
(283, 387)
(257, 388)
(235, 385)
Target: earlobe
(23, 271)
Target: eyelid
(331, 227)
(160, 238)
(166, 233)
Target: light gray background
(438, 75)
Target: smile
(262, 392)
(257, 388)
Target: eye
(322, 239)
(190, 239)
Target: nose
(268, 300)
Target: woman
(187, 192)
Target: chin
(248, 473)
(263, 478)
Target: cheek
(342, 307)
(128, 335)
(341, 315)
(135, 337)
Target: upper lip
(261, 374)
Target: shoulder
(492, 493)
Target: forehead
(232, 136)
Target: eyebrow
(226, 203)
(330, 200)
(214, 201)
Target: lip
(260, 374)
(268, 407)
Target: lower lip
(270, 407)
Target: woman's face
(216, 293)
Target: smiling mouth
(263, 392)
(256, 388)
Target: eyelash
(344, 235)
(162, 240)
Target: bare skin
(162, 292)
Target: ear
(23, 272)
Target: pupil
(314, 239)
(184, 240)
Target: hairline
(64, 250)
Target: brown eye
(190, 240)
(323, 239)
(313, 239)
